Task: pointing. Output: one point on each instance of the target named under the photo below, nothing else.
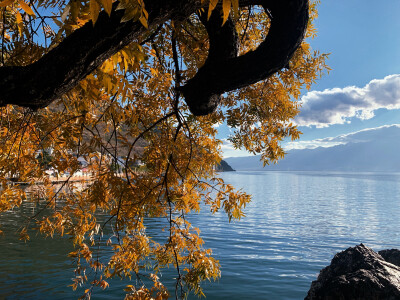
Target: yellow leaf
(145, 13)
(65, 13)
(211, 6)
(26, 8)
(104, 284)
(23, 235)
(143, 20)
(121, 5)
(235, 8)
(107, 4)
(75, 9)
(226, 7)
(57, 22)
(125, 60)
(19, 22)
(6, 3)
(129, 15)
(94, 10)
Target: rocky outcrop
(359, 273)
(391, 255)
(223, 166)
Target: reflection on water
(39, 267)
(295, 224)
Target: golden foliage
(145, 156)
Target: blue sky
(363, 88)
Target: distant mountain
(371, 150)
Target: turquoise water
(295, 224)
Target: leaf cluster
(123, 148)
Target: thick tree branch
(60, 70)
(288, 25)
(223, 41)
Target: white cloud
(226, 145)
(326, 143)
(230, 151)
(365, 135)
(338, 105)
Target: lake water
(293, 227)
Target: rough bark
(60, 70)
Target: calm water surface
(295, 224)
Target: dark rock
(223, 167)
(391, 255)
(358, 273)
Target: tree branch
(216, 76)
(79, 54)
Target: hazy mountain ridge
(374, 150)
